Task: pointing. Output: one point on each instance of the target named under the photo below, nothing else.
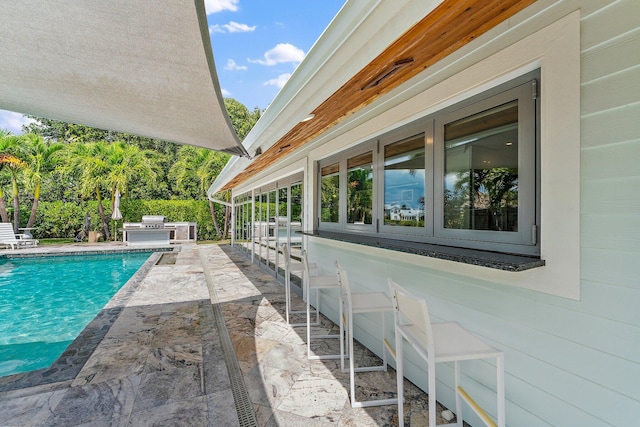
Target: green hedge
(65, 219)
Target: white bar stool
(316, 283)
(441, 342)
(350, 304)
(289, 267)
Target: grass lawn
(55, 241)
(71, 240)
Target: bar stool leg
(500, 389)
(456, 370)
(400, 379)
(309, 336)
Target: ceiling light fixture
(309, 117)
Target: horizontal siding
(611, 127)
(616, 268)
(612, 338)
(613, 161)
(567, 362)
(607, 301)
(610, 196)
(614, 91)
(607, 320)
(609, 22)
(621, 233)
(610, 57)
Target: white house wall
(571, 360)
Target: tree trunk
(105, 224)
(3, 210)
(213, 217)
(34, 208)
(32, 217)
(227, 211)
(16, 207)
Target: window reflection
(330, 193)
(481, 171)
(360, 189)
(296, 216)
(404, 174)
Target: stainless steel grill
(153, 221)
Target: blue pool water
(45, 302)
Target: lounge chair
(9, 238)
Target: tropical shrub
(66, 219)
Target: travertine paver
(148, 369)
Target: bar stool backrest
(343, 280)
(287, 260)
(412, 318)
(305, 266)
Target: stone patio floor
(198, 338)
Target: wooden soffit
(451, 25)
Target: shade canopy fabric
(142, 67)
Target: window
(404, 182)
(330, 193)
(485, 172)
(360, 189)
(267, 217)
(465, 176)
(481, 170)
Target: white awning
(143, 67)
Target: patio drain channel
(244, 407)
(168, 258)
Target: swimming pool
(45, 302)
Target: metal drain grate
(244, 407)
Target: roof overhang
(366, 52)
(141, 67)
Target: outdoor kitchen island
(146, 236)
(155, 230)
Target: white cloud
(13, 122)
(279, 82)
(214, 6)
(215, 29)
(225, 93)
(282, 53)
(231, 27)
(231, 65)
(234, 27)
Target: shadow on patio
(285, 387)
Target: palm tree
(359, 193)
(88, 161)
(194, 172)
(125, 164)
(10, 152)
(41, 159)
(3, 205)
(109, 167)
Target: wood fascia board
(451, 25)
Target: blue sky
(257, 44)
